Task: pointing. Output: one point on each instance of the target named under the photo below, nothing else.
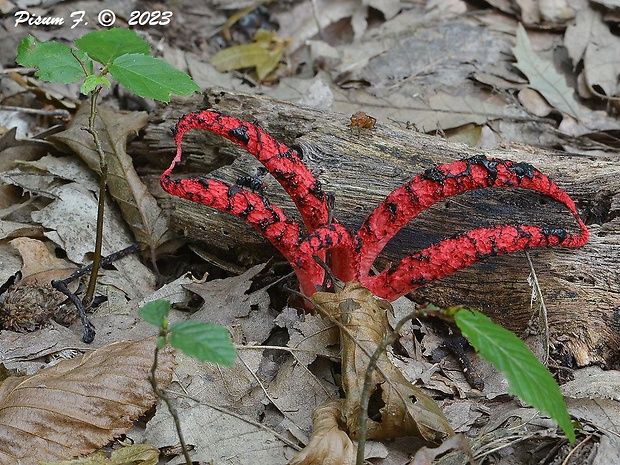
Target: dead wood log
(581, 288)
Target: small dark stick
(456, 345)
(61, 285)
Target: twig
(61, 285)
(162, 395)
(543, 321)
(372, 365)
(90, 292)
(35, 111)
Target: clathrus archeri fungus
(353, 253)
(403, 409)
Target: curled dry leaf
(78, 405)
(397, 407)
(458, 443)
(329, 445)
(403, 409)
(140, 209)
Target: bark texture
(581, 288)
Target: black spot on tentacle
(411, 267)
(434, 174)
(245, 213)
(240, 134)
(233, 190)
(255, 184)
(204, 182)
(489, 165)
(317, 190)
(391, 207)
(358, 244)
(287, 176)
(558, 232)
(522, 232)
(289, 154)
(522, 170)
(274, 219)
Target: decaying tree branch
(581, 287)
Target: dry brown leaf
(140, 209)
(404, 410)
(543, 77)
(217, 436)
(37, 258)
(137, 454)
(329, 445)
(78, 405)
(590, 39)
(229, 302)
(426, 456)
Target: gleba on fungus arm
(353, 253)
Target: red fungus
(354, 253)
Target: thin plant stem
(162, 395)
(90, 292)
(372, 365)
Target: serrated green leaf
(106, 46)
(147, 76)
(53, 60)
(527, 377)
(93, 81)
(543, 77)
(207, 342)
(155, 312)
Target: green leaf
(207, 342)
(155, 312)
(53, 60)
(93, 81)
(106, 46)
(543, 77)
(527, 377)
(147, 76)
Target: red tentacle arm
(281, 161)
(268, 219)
(450, 255)
(440, 182)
